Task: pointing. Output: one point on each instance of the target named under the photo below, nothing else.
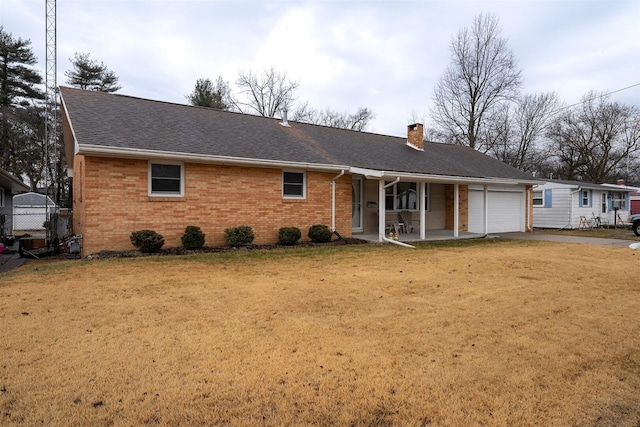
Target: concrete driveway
(566, 239)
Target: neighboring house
(9, 186)
(561, 204)
(31, 211)
(141, 164)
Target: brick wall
(111, 201)
(463, 211)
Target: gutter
(102, 151)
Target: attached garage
(506, 210)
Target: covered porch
(430, 236)
(427, 208)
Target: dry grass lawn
(499, 333)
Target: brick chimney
(620, 182)
(415, 136)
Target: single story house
(142, 164)
(31, 211)
(562, 204)
(9, 186)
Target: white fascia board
(459, 179)
(118, 152)
(366, 172)
(621, 187)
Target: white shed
(31, 210)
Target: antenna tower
(51, 112)
(51, 98)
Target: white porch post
(423, 209)
(382, 209)
(485, 226)
(456, 209)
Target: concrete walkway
(10, 261)
(566, 239)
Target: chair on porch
(405, 218)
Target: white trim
(361, 203)
(304, 185)
(160, 193)
(333, 199)
(103, 151)
(533, 198)
(1, 197)
(202, 158)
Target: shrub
(193, 238)
(320, 233)
(147, 240)
(289, 235)
(238, 236)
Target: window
(166, 179)
(538, 198)
(619, 201)
(404, 196)
(1, 197)
(293, 185)
(603, 203)
(584, 196)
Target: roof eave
(107, 151)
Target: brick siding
(111, 200)
(463, 210)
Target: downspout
(570, 225)
(333, 200)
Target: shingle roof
(124, 122)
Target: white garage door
(506, 211)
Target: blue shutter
(547, 198)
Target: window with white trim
(585, 198)
(166, 179)
(538, 198)
(619, 200)
(293, 185)
(1, 197)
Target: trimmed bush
(147, 240)
(289, 235)
(320, 233)
(238, 236)
(193, 238)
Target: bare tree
(514, 130)
(357, 121)
(483, 73)
(265, 95)
(594, 141)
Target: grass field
(497, 333)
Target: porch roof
(118, 125)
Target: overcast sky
(384, 55)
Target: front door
(356, 204)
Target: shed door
(506, 211)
